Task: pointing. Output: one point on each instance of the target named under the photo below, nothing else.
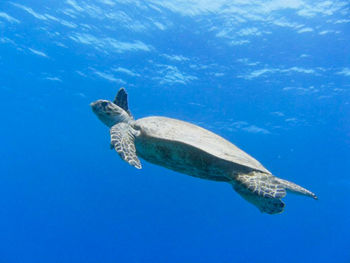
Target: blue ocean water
(273, 77)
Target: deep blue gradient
(273, 77)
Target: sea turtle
(192, 150)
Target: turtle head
(109, 113)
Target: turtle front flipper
(121, 100)
(122, 140)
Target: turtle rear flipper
(122, 140)
(262, 190)
(296, 189)
(265, 190)
(265, 204)
(262, 184)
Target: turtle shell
(171, 143)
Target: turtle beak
(93, 106)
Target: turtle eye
(104, 104)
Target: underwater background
(273, 77)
